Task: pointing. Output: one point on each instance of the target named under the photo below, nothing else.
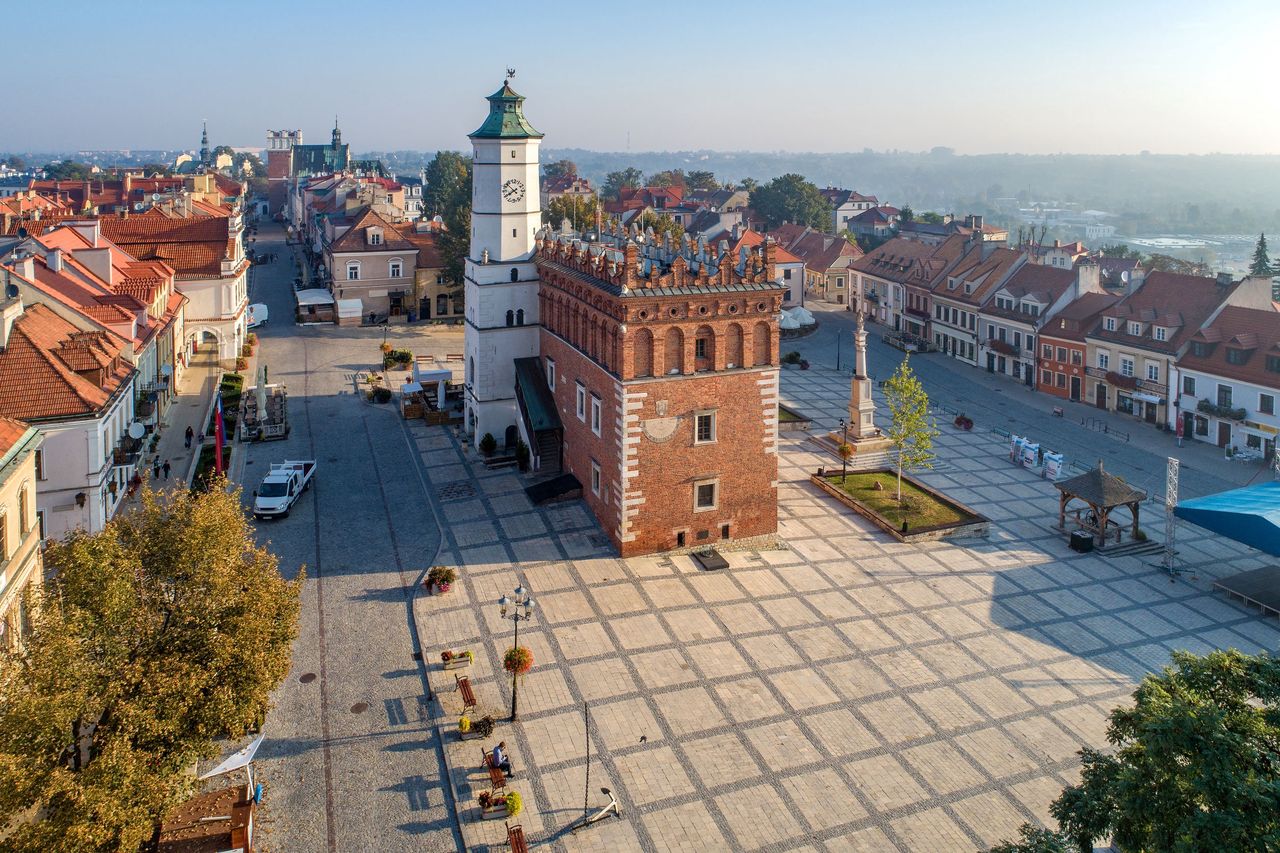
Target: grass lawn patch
(787, 416)
(918, 508)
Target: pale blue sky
(993, 76)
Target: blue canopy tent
(1250, 515)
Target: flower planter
(469, 734)
(460, 662)
(494, 812)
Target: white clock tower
(501, 279)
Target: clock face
(513, 190)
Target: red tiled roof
(11, 432)
(1079, 317)
(356, 238)
(1179, 302)
(38, 368)
(428, 243)
(1255, 331)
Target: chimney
(25, 266)
(1057, 244)
(1088, 277)
(10, 309)
(53, 259)
(1225, 280)
(975, 222)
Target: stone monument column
(862, 408)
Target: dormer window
(1237, 356)
(1109, 324)
(968, 289)
(375, 236)
(1199, 349)
(1135, 329)
(1160, 333)
(1273, 363)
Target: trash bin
(1082, 541)
(412, 316)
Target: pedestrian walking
(166, 469)
(155, 468)
(190, 435)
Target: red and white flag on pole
(219, 432)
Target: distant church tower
(204, 144)
(501, 287)
(337, 134)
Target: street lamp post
(844, 441)
(521, 607)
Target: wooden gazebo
(1103, 493)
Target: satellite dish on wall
(1124, 276)
(11, 291)
(137, 430)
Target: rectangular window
(1109, 324)
(1126, 366)
(1047, 351)
(705, 428)
(1046, 377)
(595, 478)
(4, 536)
(973, 322)
(1135, 328)
(551, 374)
(581, 402)
(40, 464)
(40, 523)
(1160, 333)
(353, 272)
(786, 275)
(1266, 404)
(1189, 385)
(700, 348)
(1237, 356)
(705, 495)
(1104, 360)
(595, 414)
(1202, 425)
(1273, 363)
(394, 269)
(1153, 371)
(1062, 380)
(1017, 339)
(991, 332)
(1224, 396)
(1077, 357)
(1062, 354)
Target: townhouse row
(1194, 354)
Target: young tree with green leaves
(748, 184)
(910, 430)
(1194, 764)
(661, 225)
(162, 632)
(906, 214)
(447, 193)
(1120, 250)
(1261, 264)
(580, 210)
(790, 198)
(615, 181)
(930, 217)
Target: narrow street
(995, 401)
(349, 762)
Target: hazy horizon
(1165, 77)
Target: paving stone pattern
(846, 693)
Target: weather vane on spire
(511, 72)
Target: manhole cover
(359, 707)
(307, 677)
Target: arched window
(704, 349)
(511, 317)
(733, 346)
(673, 352)
(760, 349)
(515, 274)
(642, 353)
(519, 316)
(353, 271)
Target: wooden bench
(497, 779)
(515, 839)
(468, 695)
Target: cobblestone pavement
(845, 693)
(350, 762)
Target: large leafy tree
(580, 210)
(68, 170)
(615, 181)
(910, 429)
(700, 179)
(661, 225)
(667, 178)
(1120, 250)
(1261, 264)
(559, 169)
(906, 214)
(1195, 763)
(1168, 263)
(166, 630)
(447, 194)
(790, 198)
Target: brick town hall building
(648, 370)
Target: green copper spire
(506, 117)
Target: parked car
(257, 315)
(281, 488)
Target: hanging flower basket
(518, 660)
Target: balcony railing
(1224, 412)
(1121, 381)
(1003, 347)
